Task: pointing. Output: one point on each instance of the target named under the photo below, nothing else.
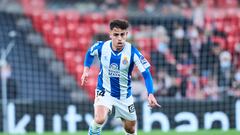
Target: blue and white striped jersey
(116, 67)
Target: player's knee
(130, 130)
(99, 120)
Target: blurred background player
(117, 58)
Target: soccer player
(117, 58)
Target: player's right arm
(93, 51)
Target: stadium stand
(28, 69)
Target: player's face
(119, 38)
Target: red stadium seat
(73, 17)
(111, 14)
(219, 26)
(61, 18)
(58, 47)
(36, 19)
(211, 3)
(227, 3)
(76, 65)
(78, 59)
(115, 14)
(71, 31)
(33, 5)
(219, 16)
(70, 45)
(100, 28)
(68, 60)
(47, 18)
(230, 29)
(83, 30)
(50, 33)
(83, 43)
(59, 32)
(47, 33)
(92, 18)
(231, 17)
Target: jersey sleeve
(140, 61)
(95, 49)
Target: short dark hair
(119, 23)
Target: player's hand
(84, 76)
(152, 101)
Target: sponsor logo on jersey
(113, 70)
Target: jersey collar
(116, 53)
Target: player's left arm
(149, 84)
(143, 66)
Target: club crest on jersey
(125, 61)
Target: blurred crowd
(196, 61)
(189, 64)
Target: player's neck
(115, 49)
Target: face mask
(225, 64)
(237, 48)
(237, 76)
(225, 59)
(162, 47)
(193, 33)
(179, 33)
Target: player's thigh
(102, 106)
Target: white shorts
(124, 108)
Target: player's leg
(100, 116)
(129, 126)
(125, 110)
(102, 106)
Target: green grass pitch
(154, 132)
